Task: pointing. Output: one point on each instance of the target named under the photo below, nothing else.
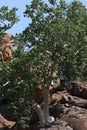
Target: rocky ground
(68, 105)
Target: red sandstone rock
(58, 125)
(5, 123)
(76, 117)
(6, 47)
(79, 89)
(73, 100)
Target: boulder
(58, 125)
(4, 123)
(74, 88)
(79, 89)
(76, 117)
(57, 97)
(73, 100)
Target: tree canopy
(54, 40)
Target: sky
(21, 5)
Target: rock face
(6, 47)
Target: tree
(61, 30)
(58, 32)
(7, 18)
(54, 41)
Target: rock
(75, 88)
(55, 110)
(58, 125)
(76, 117)
(57, 97)
(6, 47)
(73, 100)
(79, 89)
(4, 123)
(63, 107)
